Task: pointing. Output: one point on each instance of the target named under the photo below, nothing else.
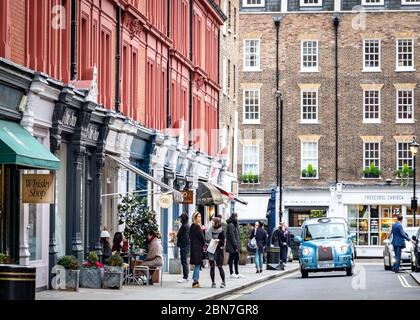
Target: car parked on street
(389, 254)
(325, 245)
(415, 252)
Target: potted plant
(404, 174)
(92, 272)
(243, 238)
(250, 178)
(3, 258)
(114, 272)
(309, 172)
(71, 271)
(372, 171)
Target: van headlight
(344, 248)
(306, 251)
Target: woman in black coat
(197, 242)
(261, 237)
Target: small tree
(139, 220)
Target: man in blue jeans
(398, 241)
(183, 242)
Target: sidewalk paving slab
(172, 290)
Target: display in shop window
(374, 225)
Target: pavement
(172, 290)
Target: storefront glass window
(35, 236)
(372, 223)
(410, 218)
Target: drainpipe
(168, 70)
(190, 80)
(118, 64)
(336, 21)
(279, 126)
(73, 57)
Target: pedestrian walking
(398, 241)
(183, 243)
(215, 233)
(284, 244)
(261, 237)
(197, 242)
(233, 245)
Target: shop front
(300, 205)
(27, 179)
(371, 212)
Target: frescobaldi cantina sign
(38, 188)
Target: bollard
(17, 282)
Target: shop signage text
(385, 197)
(165, 201)
(188, 196)
(38, 188)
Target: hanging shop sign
(188, 196)
(165, 201)
(38, 188)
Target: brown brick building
(229, 95)
(377, 94)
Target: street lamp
(414, 147)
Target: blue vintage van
(325, 245)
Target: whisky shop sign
(38, 188)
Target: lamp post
(414, 147)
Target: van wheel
(304, 273)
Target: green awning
(18, 147)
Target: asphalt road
(369, 282)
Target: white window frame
(368, 120)
(371, 69)
(404, 2)
(309, 121)
(398, 158)
(251, 121)
(398, 120)
(380, 3)
(317, 160)
(303, 4)
(309, 69)
(258, 157)
(364, 157)
(247, 5)
(258, 54)
(398, 68)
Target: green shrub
(309, 172)
(3, 257)
(115, 261)
(69, 263)
(372, 170)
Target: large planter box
(113, 278)
(175, 266)
(72, 280)
(91, 278)
(243, 258)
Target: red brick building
(160, 44)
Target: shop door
(9, 211)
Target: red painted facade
(37, 34)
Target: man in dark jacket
(183, 242)
(398, 241)
(233, 245)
